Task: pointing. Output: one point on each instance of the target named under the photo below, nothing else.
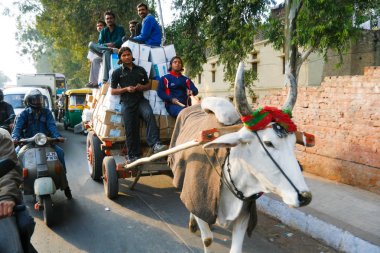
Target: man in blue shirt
(110, 39)
(151, 31)
(36, 119)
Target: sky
(11, 62)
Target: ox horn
(240, 98)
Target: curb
(333, 236)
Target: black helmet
(1, 95)
(34, 99)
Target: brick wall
(344, 115)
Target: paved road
(149, 219)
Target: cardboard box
(157, 55)
(154, 84)
(112, 98)
(104, 88)
(99, 105)
(92, 104)
(139, 51)
(96, 94)
(98, 126)
(87, 115)
(166, 125)
(114, 60)
(112, 131)
(169, 52)
(109, 117)
(112, 105)
(147, 65)
(89, 98)
(160, 69)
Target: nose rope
(278, 166)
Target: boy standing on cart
(130, 81)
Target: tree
(315, 26)
(62, 30)
(226, 28)
(215, 27)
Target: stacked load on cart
(105, 117)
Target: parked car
(15, 96)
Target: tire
(95, 156)
(48, 210)
(110, 177)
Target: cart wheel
(110, 177)
(48, 209)
(94, 156)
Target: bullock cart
(116, 166)
(106, 158)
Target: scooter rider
(16, 227)
(36, 119)
(6, 111)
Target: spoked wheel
(94, 155)
(48, 209)
(110, 177)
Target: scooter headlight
(40, 139)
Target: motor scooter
(42, 171)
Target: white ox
(252, 171)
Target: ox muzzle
(304, 198)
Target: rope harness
(231, 185)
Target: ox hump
(223, 109)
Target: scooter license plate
(51, 156)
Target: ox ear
(225, 141)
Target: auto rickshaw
(74, 104)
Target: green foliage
(63, 29)
(323, 25)
(215, 27)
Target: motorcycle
(61, 111)
(42, 171)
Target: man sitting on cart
(133, 80)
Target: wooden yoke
(305, 139)
(205, 136)
(211, 134)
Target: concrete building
(269, 64)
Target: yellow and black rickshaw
(74, 104)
